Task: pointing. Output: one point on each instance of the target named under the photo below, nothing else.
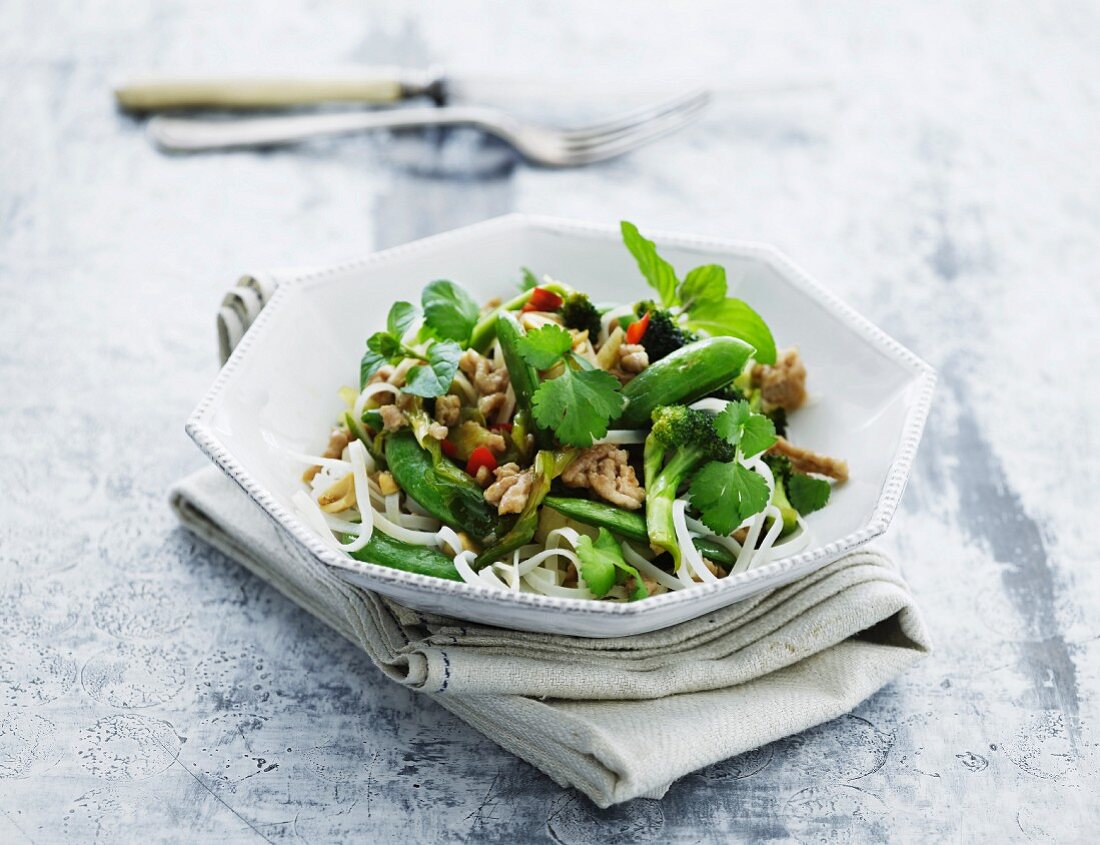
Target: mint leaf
(578, 405)
(603, 565)
(435, 377)
(807, 494)
(384, 344)
(449, 311)
(543, 347)
(530, 280)
(726, 494)
(658, 272)
(401, 316)
(734, 318)
(369, 365)
(703, 284)
(750, 433)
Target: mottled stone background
(942, 176)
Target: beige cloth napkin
(615, 718)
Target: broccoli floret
(663, 335)
(780, 466)
(579, 313)
(778, 416)
(731, 393)
(688, 439)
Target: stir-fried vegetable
(507, 446)
(687, 374)
(439, 487)
(680, 440)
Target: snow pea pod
(441, 488)
(689, 373)
(386, 551)
(629, 525)
(624, 523)
(524, 377)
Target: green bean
(386, 551)
(689, 373)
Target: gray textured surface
(946, 184)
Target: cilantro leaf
(658, 272)
(578, 405)
(435, 377)
(449, 311)
(726, 494)
(401, 316)
(603, 565)
(734, 318)
(807, 494)
(702, 285)
(530, 280)
(543, 347)
(750, 433)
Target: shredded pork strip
(807, 461)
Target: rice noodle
(317, 460)
(762, 553)
(622, 437)
(744, 557)
(418, 522)
(393, 508)
(710, 405)
(509, 407)
(316, 519)
(370, 391)
(688, 553)
(646, 567)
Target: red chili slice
(501, 427)
(481, 457)
(543, 300)
(449, 448)
(636, 330)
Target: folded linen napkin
(782, 661)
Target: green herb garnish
(726, 493)
(432, 378)
(700, 299)
(580, 403)
(603, 566)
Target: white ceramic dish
(279, 391)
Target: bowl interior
(283, 392)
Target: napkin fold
(615, 718)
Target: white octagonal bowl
(278, 392)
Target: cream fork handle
(379, 86)
(179, 134)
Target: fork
(539, 144)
